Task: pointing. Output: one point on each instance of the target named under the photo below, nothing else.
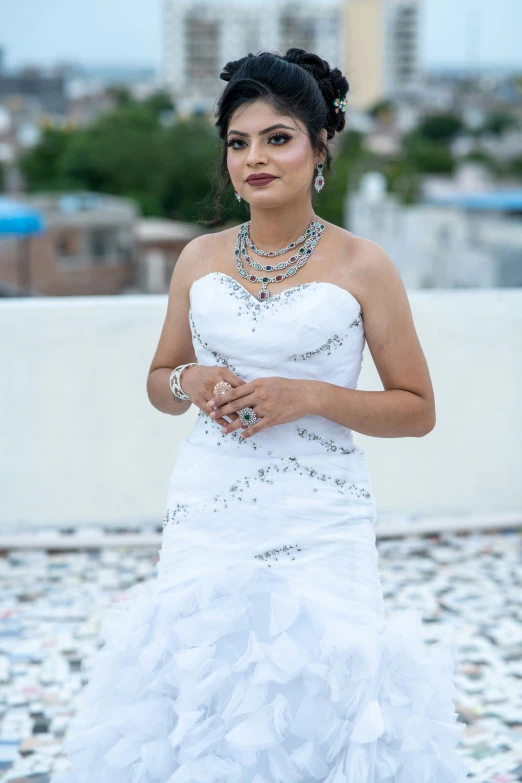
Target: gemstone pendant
(263, 294)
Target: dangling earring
(237, 195)
(319, 180)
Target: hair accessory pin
(340, 103)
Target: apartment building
(200, 37)
(375, 42)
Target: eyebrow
(278, 125)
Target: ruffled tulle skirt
(243, 675)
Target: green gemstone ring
(247, 416)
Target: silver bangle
(175, 385)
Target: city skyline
(476, 33)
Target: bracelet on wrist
(175, 385)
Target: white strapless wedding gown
(260, 652)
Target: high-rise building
(199, 38)
(381, 49)
(375, 42)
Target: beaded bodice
(311, 331)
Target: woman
(261, 652)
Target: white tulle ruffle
(237, 677)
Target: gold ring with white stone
(222, 387)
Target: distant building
(200, 37)
(94, 245)
(89, 247)
(381, 53)
(455, 240)
(375, 42)
(47, 90)
(159, 244)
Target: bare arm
(406, 407)
(175, 343)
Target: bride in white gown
(260, 653)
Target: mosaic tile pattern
(468, 587)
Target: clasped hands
(275, 400)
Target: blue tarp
(17, 219)
(495, 200)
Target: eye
(284, 136)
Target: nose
(256, 153)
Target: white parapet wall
(80, 443)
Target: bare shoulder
(206, 246)
(383, 298)
(195, 259)
(194, 251)
(364, 255)
(367, 270)
(370, 257)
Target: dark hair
(299, 84)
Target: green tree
(159, 102)
(121, 94)
(481, 156)
(347, 166)
(440, 128)
(40, 166)
(119, 154)
(499, 121)
(515, 166)
(426, 156)
(403, 179)
(382, 110)
(189, 156)
(131, 152)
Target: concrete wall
(80, 442)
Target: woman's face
(285, 152)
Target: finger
(232, 379)
(254, 429)
(217, 415)
(225, 422)
(235, 399)
(233, 426)
(227, 409)
(217, 399)
(235, 380)
(219, 418)
(232, 394)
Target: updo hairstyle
(298, 84)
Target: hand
(275, 401)
(198, 381)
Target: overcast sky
(107, 32)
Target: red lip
(260, 176)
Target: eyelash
(283, 135)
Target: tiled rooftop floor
(468, 586)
